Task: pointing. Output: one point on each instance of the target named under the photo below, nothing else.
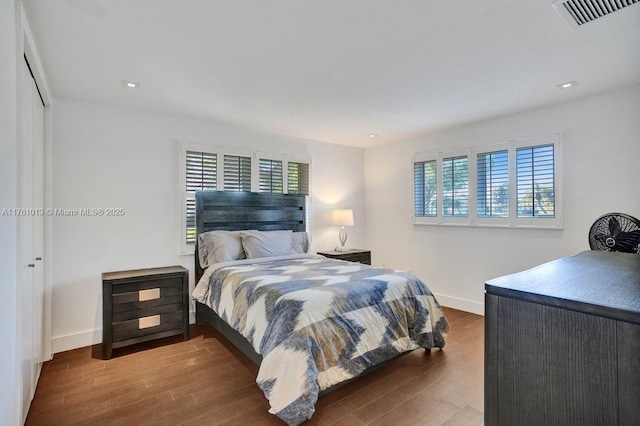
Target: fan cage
(615, 232)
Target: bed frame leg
(199, 317)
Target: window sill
(488, 225)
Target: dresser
(562, 343)
(353, 255)
(143, 304)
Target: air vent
(579, 12)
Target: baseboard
(94, 337)
(88, 338)
(77, 340)
(461, 304)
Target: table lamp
(342, 218)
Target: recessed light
(373, 135)
(130, 84)
(566, 85)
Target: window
(515, 183)
(298, 183)
(424, 185)
(201, 174)
(297, 178)
(535, 175)
(493, 184)
(202, 170)
(270, 176)
(237, 173)
(455, 186)
(207, 167)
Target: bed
(311, 323)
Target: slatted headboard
(231, 211)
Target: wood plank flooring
(207, 381)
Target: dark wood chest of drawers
(562, 343)
(354, 255)
(142, 305)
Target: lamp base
(342, 236)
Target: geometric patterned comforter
(317, 321)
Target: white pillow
(300, 242)
(266, 243)
(219, 246)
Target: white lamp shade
(343, 217)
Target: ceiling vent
(579, 12)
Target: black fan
(615, 232)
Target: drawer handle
(147, 322)
(150, 294)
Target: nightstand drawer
(146, 325)
(152, 307)
(133, 286)
(143, 298)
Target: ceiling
(328, 70)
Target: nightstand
(354, 255)
(142, 305)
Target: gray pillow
(219, 246)
(266, 243)
(300, 242)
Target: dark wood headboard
(232, 211)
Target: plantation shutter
(424, 188)
(493, 184)
(298, 178)
(455, 186)
(535, 181)
(237, 173)
(201, 174)
(270, 176)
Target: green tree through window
(535, 187)
(425, 188)
(455, 186)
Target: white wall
(9, 391)
(112, 157)
(601, 150)
(108, 157)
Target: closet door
(31, 236)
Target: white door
(38, 231)
(31, 236)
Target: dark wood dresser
(143, 304)
(562, 343)
(354, 255)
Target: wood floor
(207, 381)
